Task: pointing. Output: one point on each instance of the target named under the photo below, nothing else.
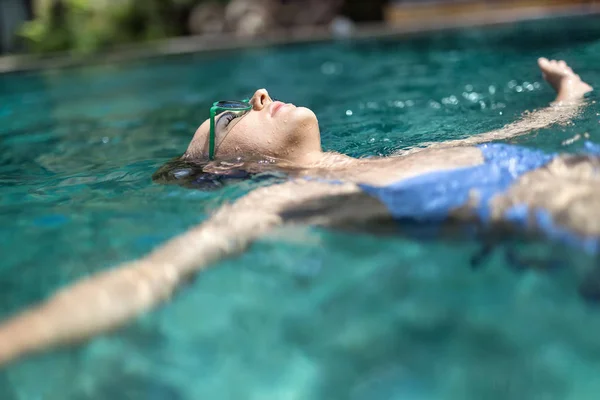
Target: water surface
(311, 314)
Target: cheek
(251, 129)
(260, 134)
(250, 135)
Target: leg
(565, 195)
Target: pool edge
(227, 42)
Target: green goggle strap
(217, 109)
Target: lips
(276, 106)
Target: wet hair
(209, 176)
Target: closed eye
(225, 120)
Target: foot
(561, 77)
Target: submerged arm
(110, 299)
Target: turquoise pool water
(311, 314)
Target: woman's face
(270, 128)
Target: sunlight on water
(306, 314)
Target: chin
(305, 115)
(299, 123)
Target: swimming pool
(311, 314)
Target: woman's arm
(569, 101)
(110, 299)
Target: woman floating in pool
(456, 180)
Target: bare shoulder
(443, 155)
(437, 158)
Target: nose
(260, 99)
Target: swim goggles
(238, 107)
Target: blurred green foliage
(85, 26)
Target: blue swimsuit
(431, 197)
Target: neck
(340, 167)
(329, 160)
(335, 166)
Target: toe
(562, 64)
(543, 62)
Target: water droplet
(512, 84)
(500, 113)
(492, 89)
(372, 140)
(482, 104)
(519, 89)
(434, 104)
(473, 97)
(105, 140)
(536, 85)
(329, 68)
(528, 86)
(450, 100)
(349, 113)
(469, 88)
(409, 103)
(399, 104)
